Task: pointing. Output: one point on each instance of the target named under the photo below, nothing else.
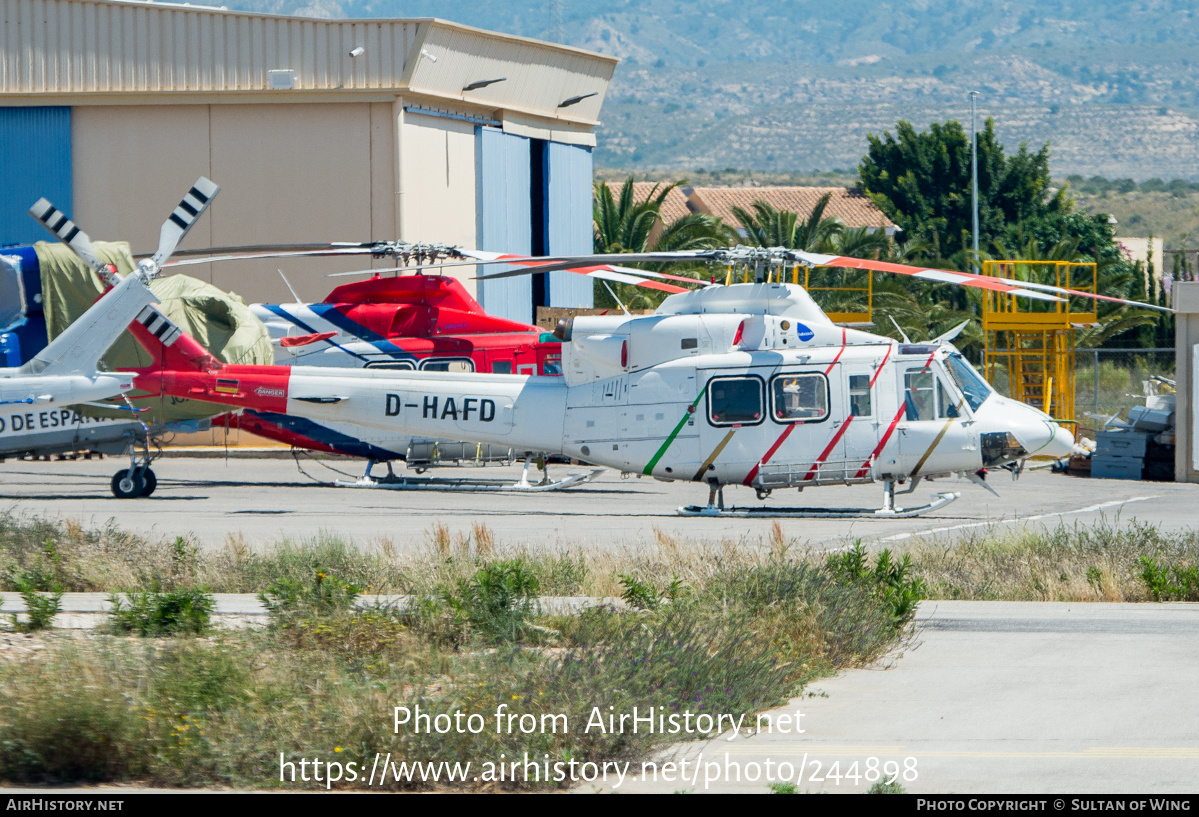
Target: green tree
(767, 227)
(921, 180)
(623, 224)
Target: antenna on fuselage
(618, 303)
(902, 333)
(289, 287)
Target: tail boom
(479, 408)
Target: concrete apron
(996, 697)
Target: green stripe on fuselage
(649, 467)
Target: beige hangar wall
(436, 196)
(289, 173)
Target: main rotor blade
(568, 262)
(65, 230)
(1008, 286)
(187, 262)
(180, 222)
(400, 249)
(258, 248)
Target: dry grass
(1097, 563)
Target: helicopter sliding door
(861, 408)
(934, 434)
(768, 427)
(731, 438)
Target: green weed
(40, 608)
(321, 594)
(496, 603)
(176, 612)
(1170, 582)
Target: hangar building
(316, 130)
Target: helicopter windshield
(975, 389)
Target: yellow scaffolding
(864, 294)
(1032, 341)
(845, 318)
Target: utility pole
(974, 175)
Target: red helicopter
(404, 322)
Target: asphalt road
(270, 499)
(998, 697)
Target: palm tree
(623, 224)
(769, 227)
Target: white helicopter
(65, 372)
(749, 384)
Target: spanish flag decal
(224, 386)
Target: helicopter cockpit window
(447, 364)
(799, 397)
(735, 400)
(501, 367)
(975, 389)
(925, 397)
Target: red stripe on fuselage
(840, 352)
(881, 363)
(878, 449)
(828, 449)
(782, 438)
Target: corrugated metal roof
(852, 207)
(73, 48)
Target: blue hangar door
(533, 197)
(35, 161)
(503, 198)
(564, 215)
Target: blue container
(1104, 467)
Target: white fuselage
(779, 397)
(60, 389)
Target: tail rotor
(177, 225)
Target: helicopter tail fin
(169, 346)
(78, 349)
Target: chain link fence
(1111, 381)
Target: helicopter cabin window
(403, 365)
(447, 364)
(859, 396)
(735, 401)
(925, 397)
(799, 398)
(501, 367)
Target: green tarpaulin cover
(219, 321)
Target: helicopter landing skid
(394, 483)
(939, 501)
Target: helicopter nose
(1013, 431)
(1038, 433)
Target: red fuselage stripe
(782, 438)
(878, 449)
(840, 352)
(881, 364)
(828, 449)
